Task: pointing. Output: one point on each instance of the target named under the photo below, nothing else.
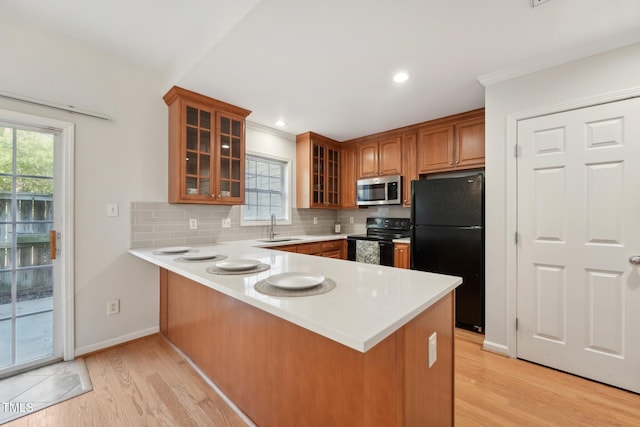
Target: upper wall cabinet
(348, 170)
(454, 146)
(380, 157)
(206, 149)
(317, 171)
(409, 150)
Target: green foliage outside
(34, 157)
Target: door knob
(634, 259)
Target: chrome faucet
(272, 233)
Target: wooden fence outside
(34, 272)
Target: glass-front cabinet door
(325, 173)
(230, 159)
(198, 158)
(332, 193)
(206, 149)
(318, 173)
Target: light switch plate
(226, 222)
(315, 219)
(193, 224)
(112, 209)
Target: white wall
(599, 75)
(118, 161)
(123, 160)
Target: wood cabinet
(206, 149)
(329, 248)
(348, 177)
(380, 157)
(409, 147)
(451, 147)
(249, 353)
(402, 255)
(317, 171)
(313, 248)
(334, 249)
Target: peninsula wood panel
(428, 390)
(280, 374)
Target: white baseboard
(495, 348)
(115, 341)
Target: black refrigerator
(447, 236)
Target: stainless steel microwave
(385, 190)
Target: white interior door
(578, 291)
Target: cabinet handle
(457, 161)
(451, 162)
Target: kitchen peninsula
(355, 356)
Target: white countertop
(369, 303)
(290, 240)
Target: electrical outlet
(315, 220)
(113, 307)
(226, 222)
(112, 209)
(433, 352)
(193, 224)
(350, 220)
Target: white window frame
(287, 192)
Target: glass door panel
(198, 152)
(332, 176)
(231, 159)
(26, 268)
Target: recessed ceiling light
(280, 123)
(401, 77)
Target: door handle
(52, 244)
(634, 259)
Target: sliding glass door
(28, 334)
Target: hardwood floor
(142, 383)
(146, 382)
(493, 390)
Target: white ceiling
(327, 65)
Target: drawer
(332, 245)
(332, 254)
(310, 248)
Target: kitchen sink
(278, 239)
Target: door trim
(64, 174)
(511, 188)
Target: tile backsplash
(155, 224)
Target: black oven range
(376, 247)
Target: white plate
(238, 264)
(201, 256)
(173, 250)
(295, 280)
